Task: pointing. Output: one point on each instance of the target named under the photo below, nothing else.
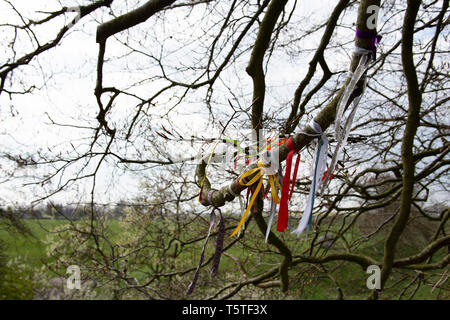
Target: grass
(29, 247)
(22, 254)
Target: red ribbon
(286, 194)
(326, 172)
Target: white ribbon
(241, 204)
(341, 134)
(361, 51)
(315, 126)
(273, 206)
(318, 168)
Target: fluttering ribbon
(273, 207)
(341, 133)
(258, 176)
(219, 246)
(237, 195)
(279, 143)
(374, 40)
(242, 207)
(286, 194)
(318, 169)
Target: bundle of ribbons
(267, 168)
(319, 175)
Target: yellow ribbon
(259, 175)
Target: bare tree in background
(160, 62)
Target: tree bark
(412, 123)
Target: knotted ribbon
(273, 207)
(219, 246)
(374, 40)
(341, 134)
(258, 177)
(319, 165)
(286, 194)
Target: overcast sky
(67, 96)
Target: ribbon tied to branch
(286, 194)
(257, 176)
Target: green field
(29, 247)
(29, 254)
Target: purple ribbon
(219, 247)
(374, 40)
